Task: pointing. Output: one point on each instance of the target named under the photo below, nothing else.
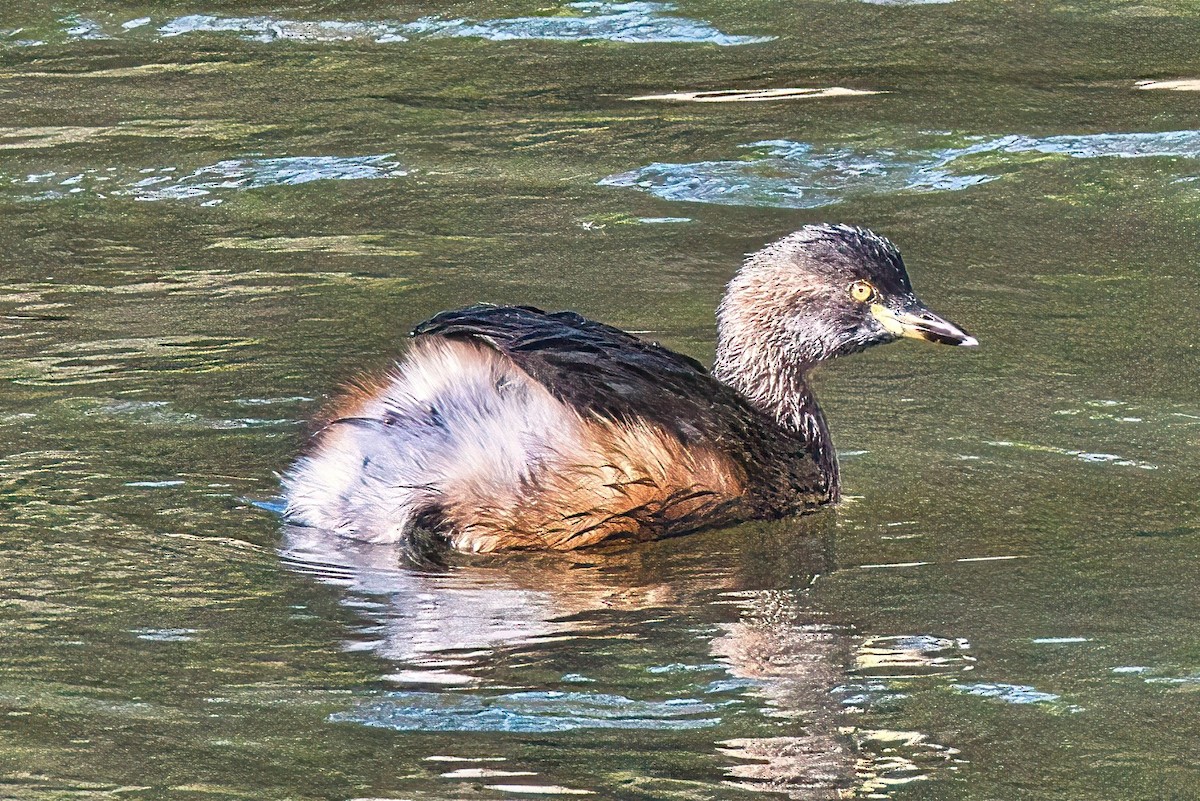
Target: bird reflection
(443, 618)
(424, 603)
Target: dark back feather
(604, 371)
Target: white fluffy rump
(455, 423)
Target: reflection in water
(448, 631)
(422, 614)
(758, 95)
(1009, 693)
(1154, 675)
(271, 29)
(1086, 456)
(529, 712)
(918, 654)
(161, 414)
(800, 175)
(1173, 680)
(164, 635)
(630, 23)
(797, 665)
(122, 360)
(48, 136)
(162, 183)
(891, 759)
(86, 29)
(1182, 85)
(12, 38)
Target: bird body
(510, 427)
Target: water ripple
(527, 712)
(154, 184)
(1009, 693)
(271, 29)
(631, 23)
(893, 759)
(9, 37)
(1153, 676)
(1084, 456)
(48, 136)
(85, 29)
(757, 95)
(909, 652)
(858, 763)
(788, 174)
(1181, 85)
(164, 635)
(1173, 680)
(122, 359)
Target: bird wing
(601, 370)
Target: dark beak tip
(948, 334)
(941, 330)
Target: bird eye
(862, 291)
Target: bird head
(827, 291)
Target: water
(216, 213)
(796, 175)
(164, 183)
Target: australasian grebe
(511, 427)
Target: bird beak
(917, 322)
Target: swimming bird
(511, 427)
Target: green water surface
(1004, 607)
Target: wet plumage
(510, 427)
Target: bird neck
(776, 383)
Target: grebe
(511, 427)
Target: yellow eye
(862, 291)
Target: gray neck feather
(767, 367)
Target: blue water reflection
(799, 175)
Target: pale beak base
(917, 322)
